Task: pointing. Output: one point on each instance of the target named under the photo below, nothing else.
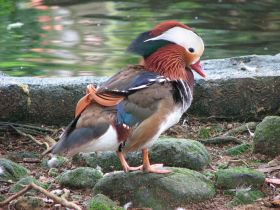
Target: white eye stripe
(184, 37)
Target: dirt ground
(11, 142)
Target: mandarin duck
(129, 111)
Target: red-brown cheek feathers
(164, 26)
(170, 61)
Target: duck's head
(170, 47)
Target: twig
(21, 192)
(55, 198)
(241, 129)
(31, 160)
(236, 161)
(221, 140)
(274, 181)
(30, 137)
(268, 170)
(250, 132)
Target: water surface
(68, 38)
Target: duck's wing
(130, 80)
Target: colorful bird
(130, 110)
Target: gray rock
(82, 177)
(11, 171)
(29, 202)
(100, 201)
(267, 136)
(26, 181)
(172, 152)
(157, 191)
(229, 91)
(239, 177)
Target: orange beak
(198, 68)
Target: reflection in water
(90, 38)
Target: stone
(11, 171)
(52, 100)
(53, 172)
(235, 177)
(57, 161)
(100, 201)
(29, 202)
(245, 196)
(156, 191)
(26, 181)
(172, 152)
(82, 177)
(239, 149)
(267, 137)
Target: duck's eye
(191, 50)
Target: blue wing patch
(123, 117)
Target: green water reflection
(89, 38)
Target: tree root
(29, 129)
(241, 129)
(55, 198)
(220, 140)
(30, 137)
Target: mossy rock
(267, 136)
(243, 197)
(53, 172)
(101, 201)
(239, 177)
(26, 181)
(29, 202)
(239, 149)
(82, 177)
(172, 152)
(156, 191)
(10, 170)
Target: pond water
(77, 38)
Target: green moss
(245, 197)
(157, 191)
(82, 177)
(238, 176)
(53, 172)
(2, 198)
(102, 202)
(267, 136)
(25, 181)
(239, 149)
(204, 133)
(173, 152)
(30, 202)
(11, 171)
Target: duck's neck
(170, 62)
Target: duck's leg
(125, 165)
(151, 168)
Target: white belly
(170, 120)
(107, 142)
